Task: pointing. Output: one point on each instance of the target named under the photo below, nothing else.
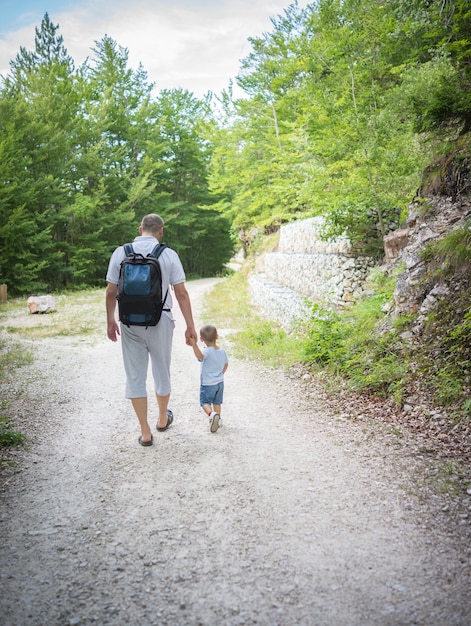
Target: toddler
(214, 363)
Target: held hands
(192, 341)
(191, 337)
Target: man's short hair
(152, 223)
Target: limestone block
(41, 304)
(303, 237)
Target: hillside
(403, 353)
(431, 258)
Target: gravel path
(279, 518)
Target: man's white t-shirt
(170, 265)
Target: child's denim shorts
(211, 394)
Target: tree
(320, 131)
(258, 163)
(439, 32)
(113, 178)
(38, 112)
(181, 140)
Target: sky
(188, 44)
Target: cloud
(192, 45)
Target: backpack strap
(128, 249)
(156, 252)
(159, 248)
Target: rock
(41, 304)
(394, 243)
(439, 291)
(407, 336)
(411, 291)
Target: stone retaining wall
(284, 306)
(306, 269)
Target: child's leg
(217, 408)
(207, 409)
(205, 400)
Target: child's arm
(198, 354)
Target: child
(214, 364)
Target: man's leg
(135, 358)
(140, 407)
(160, 350)
(162, 402)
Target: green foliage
(452, 253)
(350, 345)
(466, 407)
(432, 93)
(339, 98)
(448, 387)
(194, 226)
(444, 355)
(9, 438)
(344, 100)
(377, 367)
(326, 337)
(266, 341)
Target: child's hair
(209, 333)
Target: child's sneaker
(214, 422)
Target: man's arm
(183, 299)
(112, 327)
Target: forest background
(347, 104)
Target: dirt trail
(277, 519)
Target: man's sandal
(146, 443)
(169, 422)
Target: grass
(251, 336)
(352, 345)
(359, 348)
(345, 345)
(9, 438)
(12, 355)
(79, 314)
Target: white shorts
(138, 344)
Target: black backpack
(139, 296)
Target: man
(140, 342)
